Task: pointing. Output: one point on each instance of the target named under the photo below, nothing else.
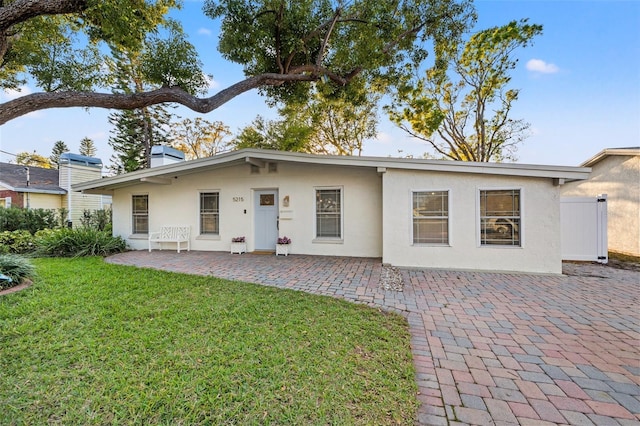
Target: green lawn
(93, 343)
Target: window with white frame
(328, 213)
(209, 213)
(500, 218)
(431, 217)
(140, 214)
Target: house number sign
(238, 199)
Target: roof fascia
(512, 169)
(252, 155)
(608, 152)
(41, 191)
(180, 168)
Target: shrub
(62, 217)
(15, 267)
(78, 242)
(37, 219)
(11, 219)
(99, 220)
(19, 242)
(32, 220)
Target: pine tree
(87, 147)
(135, 131)
(59, 148)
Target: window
(209, 213)
(431, 217)
(328, 213)
(267, 199)
(500, 217)
(140, 219)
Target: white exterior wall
(178, 204)
(540, 223)
(618, 176)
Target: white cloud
(538, 65)
(10, 94)
(213, 84)
(205, 31)
(384, 137)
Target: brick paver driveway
(489, 348)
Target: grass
(93, 343)
(622, 257)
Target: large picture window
(431, 217)
(209, 213)
(328, 213)
(500, 217)
(140, 214)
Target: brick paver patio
(489, 348)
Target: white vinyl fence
(584, 228)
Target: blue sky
(579, 86)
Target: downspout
(28, 181)
(69, 222)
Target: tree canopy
(58, 45)
(287, 134)
(199, 138)
(33, 160)
(463, 114)
(321, 125)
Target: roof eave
(253, 155)
(609, 152)
(57, 191)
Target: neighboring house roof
(41, 180)
(629, 151)
(163, 174)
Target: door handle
(278, 223)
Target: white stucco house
(616, 173)
(409, 212)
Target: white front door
(266, 219)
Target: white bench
(171, 234)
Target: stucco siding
(178, 204)
(618, 176)
(540, 223)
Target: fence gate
(584, 228)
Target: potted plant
(238, 245)
(284, 240)
(282, 246)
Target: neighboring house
(29, 187)
(615, 172)
(40, 188)
(409, 212)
